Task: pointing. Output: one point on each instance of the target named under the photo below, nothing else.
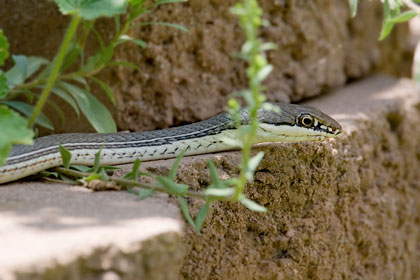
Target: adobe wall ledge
(341, 209)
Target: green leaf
(92, 9)
(3, 85)
(226, 192)
(252, 165)
(72, 54)
(97, 160)
(264, 72)
(26, 110)
(201, 216)
(174, 25)
(161, 2)
(403, 17)
(134, 174)
(80, 80)
(106, 88)
(13, 131)
(213, 174)
(145, 193)
(175, 165)
(178, 189)
(4, 48)
(353, 7)
(65, 156)
(81, 168)
(184, 209)
(24, 68)
(126, 38)
(98, 60)
(251, 205)
(66, 97)
(96, 113)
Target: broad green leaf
(178, 189)
(65, 156)
(3, 85)
(96, 113)
(175, 165)
(106, 88)
(92, 9)
(4, 48)
(80, 80)
(13, 131)
(251, 205)
(201, 215)
(66, 97)
(184, 209)
(353, 7)
(126, 38)
(99, 59)
(26, 110)
(24, 68)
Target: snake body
(288, 124)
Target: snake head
(289, 122)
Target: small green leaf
(251, 205)
(353, 7)
(65, 156)
(97, 160)
(4, 48)
(213, 174)
(13, 131)
(81, 168)
(134, 174)
(264, 72)
(403, 17)
(145, 193)
(268, 46)
(178, 189)
(92, 9)
(126, 38)
(96, 113)
(80, 80)
(104, 176)
(106, 88)
(174, 25)
(226, 192)
(252, 165)
(201, 215)
(26, 110)
(161, 2)
(72, 54)
(175, 165)
(184, 209)
(94, 176)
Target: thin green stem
(54, 73)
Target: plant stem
(56, 69)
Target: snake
(279, 122)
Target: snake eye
(306, 120)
